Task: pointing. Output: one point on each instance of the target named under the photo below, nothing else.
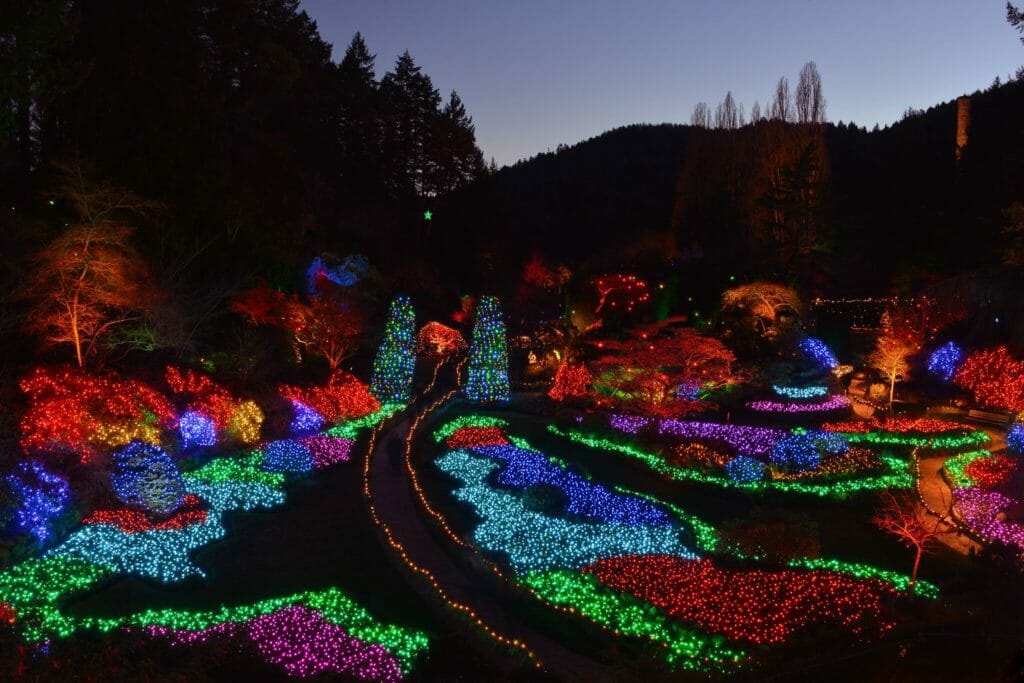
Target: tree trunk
(892, 390)
(913, 574)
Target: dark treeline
(232, 114)
(865, 212)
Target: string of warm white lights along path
(403, 554)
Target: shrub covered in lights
(488, 355)
(945, 360)
(819, 353)
(287, 455)
(343, 397)
(745, 469)
(71, 410)
(234, 418)
(146, 477)
(196, 430)
(306, 420)
(1015, 439)
(795, 453)
(40, 497)
(396, 359)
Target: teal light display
(396, 359)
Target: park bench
(988, 417)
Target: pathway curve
(391, 492)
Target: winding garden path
(393, 500)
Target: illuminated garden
(296, 386)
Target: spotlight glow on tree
(488, 355)
(396, 359)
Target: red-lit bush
(72, 410)
(343, 397)
(995, 377)
(572, 380)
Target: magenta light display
(980, 510)
(302, 642)
(327, 450)
(834, 402)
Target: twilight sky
(537, 73)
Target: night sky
(535, 74)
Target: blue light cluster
(688, 390)
(800, 392)
(744, 469)
(145, 476)
(945, 360)
(287, 455)
(1015, 439)
(534, 541)
(525, 468)
(819, 352)
(795, 453)
(346, 274)
(40, 497)
(306, 420)
(196, 429)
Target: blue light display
(287, 455)
(745, 469)
(306, 420)
(945, 360)
(196, 429)
(145, 476)
(40, 497)
(819, 352)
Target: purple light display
(834, 402)
(327, 450)
(755, 441)
(980, 510)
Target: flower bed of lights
(342, 398)
(232, 417)
(71, 410)
(832, 403)
(984, 513)
(750, 605)
(832, 480)
(39, 497)
(306, 633)
(573, 566)
(800, 392)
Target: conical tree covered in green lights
(488, 355)
(396, 358)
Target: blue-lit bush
(795, 453)
(819, 352)
(306, 420)
(196, 429)
(1015, 439)
(287, 455)
(945, 360)
(745, 469)
(39, 495)
(145, 476)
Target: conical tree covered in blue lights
(396, 359)
(488, 355)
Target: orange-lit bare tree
(890, 356)
(89, 280)
(901, 518)
(769, 304)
